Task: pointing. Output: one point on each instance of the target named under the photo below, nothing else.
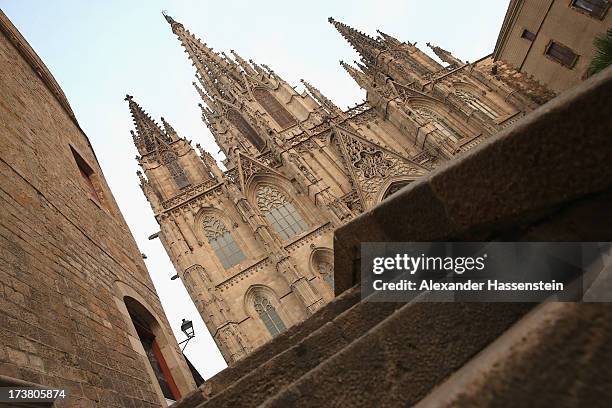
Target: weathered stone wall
(66, 261)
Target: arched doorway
(145, 323)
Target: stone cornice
(190, 194)
(312, 234)
(245, 273)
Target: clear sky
(99, 51)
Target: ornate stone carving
(269, 198)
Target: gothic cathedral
(253, 243)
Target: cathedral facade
(253, 243)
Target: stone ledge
(559, 153)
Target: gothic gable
(371, 165)
(249, 167)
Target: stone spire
(170, 132)
(148, 134)
(246, 67)
(445, 56)
(220, 77)
(322, 99)
(388, 39)
(368, 47)
(363, 80)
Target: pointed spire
(388, 39)
(210, 163)
(368, 47)
(205, 97)
(170, 132)
(247, 68)
(445, 56)
(362, 79)
(175, 25)
(148, 133)
(322, 99)
(220, 76)
(256, 67)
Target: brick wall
(64, 257)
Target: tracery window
(442, 127)
(222, 242)
(245, 129)
(476, 103)
(176, 171)
(268, 315)
(280, 212)
(274, 108)
(326, 270)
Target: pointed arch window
(245, 129)
(476, 103)
(274, 108)
(222, 242)
(280, 212)
(326, 269)
(268, 315)
(170, 160)
(442, 127)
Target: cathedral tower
(253, 243)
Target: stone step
(288, 366)
(261, 355)
(403, 358)
(557, 356)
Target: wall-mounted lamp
(187, 328)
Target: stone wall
(67, 259)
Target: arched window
(476, 103)
(245, 129)
(222, 242)
(442, 127)
(176, 171)
(280, 212)
(268, 315)
(274, 108)
(323, 263)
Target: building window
(176, 171)
(326, 270)
(87, 175)
(594, 8)
(561, 54)
(274, 108)
(222, 242)
(476, 103)
(528, 35)
(245, 129)
(442, 128)
(280, 212)
(268, 315)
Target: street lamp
(187, 328)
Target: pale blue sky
(101, 50)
